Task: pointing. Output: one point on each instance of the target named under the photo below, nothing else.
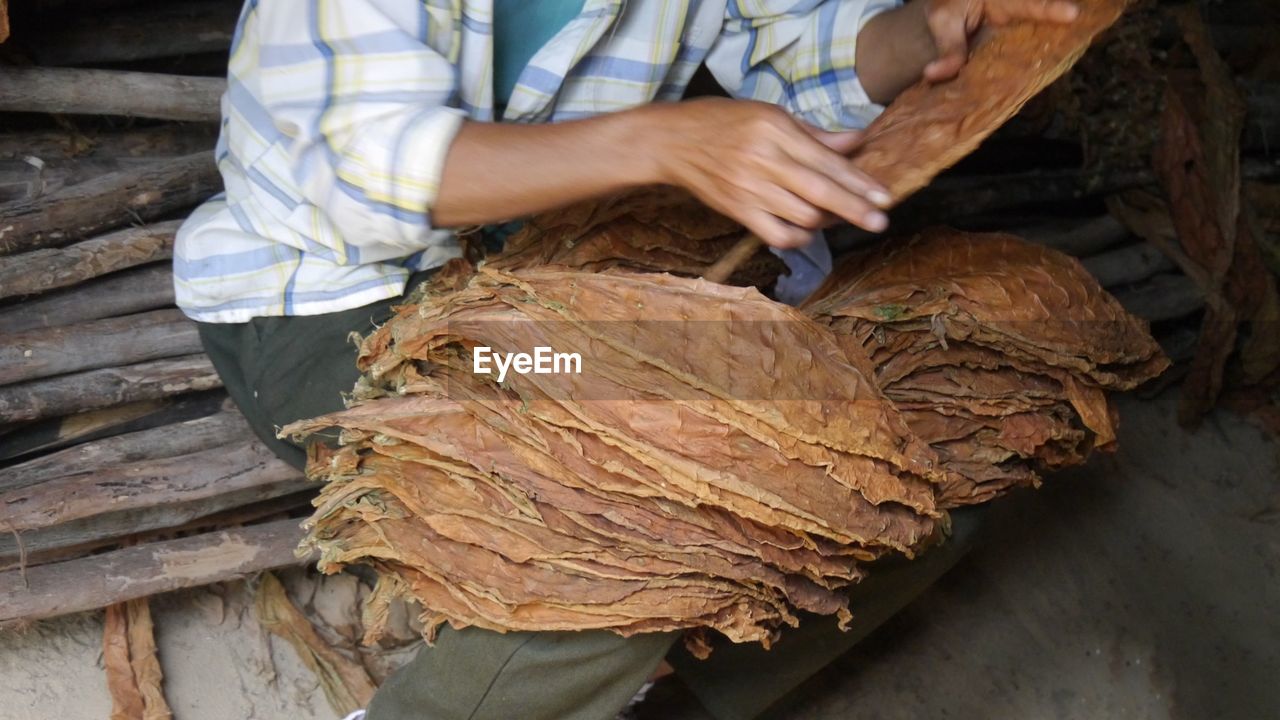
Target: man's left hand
(954, 23)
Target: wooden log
(1076, 238)
(1164, 297)
(29, 177)
(112, 527)
(61, 432)
(156, 31)
(182, 438)
(159, 141)
(153, 483)
(96, 344)
(1128, 265)
(111, 92)
(241, 513)
(52, 268)
(100, 580)
(120, 293)
(109, 201)
(95, 389)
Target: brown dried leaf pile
(998, 352)
(719, 464)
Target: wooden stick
(1163, 297)
(165, 441)
(742, 251)
(129, 486)
(165, 30)
(96, 344)
(167, 140)
(1127, 265)
(110, 92)
(110, 201)
(120, 293)
(134, 572)
(110, 528)
(52, 268)
(95, 389)
(104, 533)
(61, 432)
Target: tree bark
(110, 92)
(100, 580)
(82, 427)
(110, 201)
(120, 293)
(96, 344)
(154, 483)
(52, 268)
(165, 441)
(96, 389)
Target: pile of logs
(124, 469)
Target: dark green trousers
(283, 369)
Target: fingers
(951, 36)
(815, 156)
(772, 230)
(843, 142)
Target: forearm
(501, 171)
(893, 49)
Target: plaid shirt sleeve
(798, 54)
(359, 88)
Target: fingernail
(877, 221)
(880, 197)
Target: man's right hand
(751, 161)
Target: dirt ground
(1146, 585)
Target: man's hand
(931, 38)
(753, 162)
(953, 23)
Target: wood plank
(111, 92)
(108, 202)
(94, 389)
(100, 580)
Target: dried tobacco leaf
(930, 127)
(719, 464)
(996, 351)
(346, 684)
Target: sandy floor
(1144, 586)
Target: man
(360, 135)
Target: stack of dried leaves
(655, 230)
(717, 465)
(996, 351)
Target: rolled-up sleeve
(799, 54)
(360, 91)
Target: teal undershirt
(520, 29)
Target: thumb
(843, 142)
